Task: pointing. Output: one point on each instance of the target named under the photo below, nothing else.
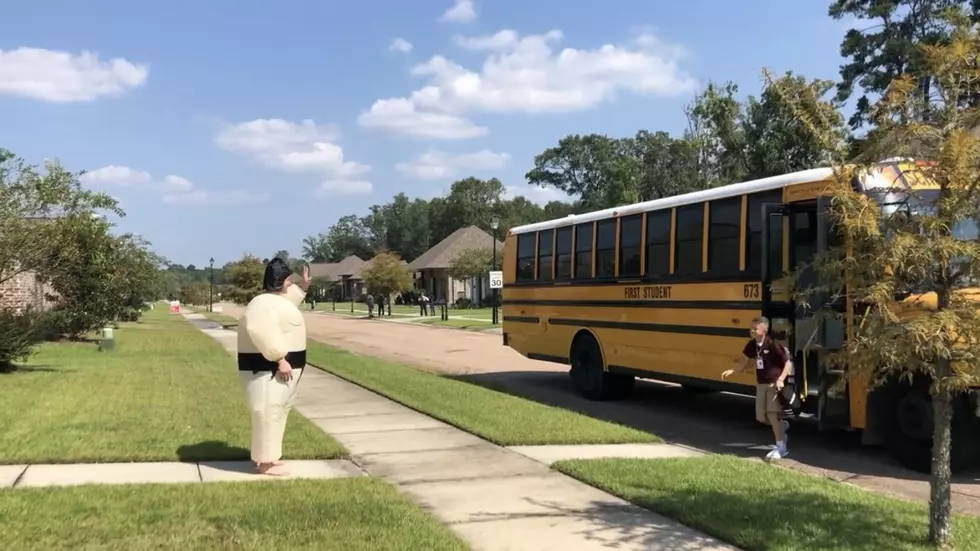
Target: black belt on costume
(255, 362)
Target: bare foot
(272, 469)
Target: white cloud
(64, 77)
(461, 12)
(172, 188)
(437, 165)
(230, 197)
(527, 75)
(399, 115)
(400, 45)
(303, 147)
(115, 175)
(536, 194)
(331, 188)
(176, 184)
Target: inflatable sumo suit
(271, 328)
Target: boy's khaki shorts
(766, 402)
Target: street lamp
(494, 223)
(211, 292)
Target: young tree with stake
(909, 259)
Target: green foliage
(911, 264)
(386, 275)
(473, 263)
(886, 46)
(321, 288)
(409, 227)
(195, 293)
(100, 278)
(20, 333)
(244, 278)
(34, 207)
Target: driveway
(716, 422)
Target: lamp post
(211, 291)
(494, 223)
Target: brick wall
(24, 290)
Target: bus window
(563, 253)
(753, 237)
(688, 243)
(525, 256)
(605, 249)
(658, 243)
(630, 241)
(545, 246)
(583, 251)
(725, 219)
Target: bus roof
(882, 178)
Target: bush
(20, 332)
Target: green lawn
(495, 416)
(763, 507)
(359, 514)
(166, 392)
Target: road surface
(716, 422)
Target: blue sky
(230, 127)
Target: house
(346, 274)
(432, 268)
(25, 290)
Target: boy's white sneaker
(777, 454)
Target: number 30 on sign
(496, 280)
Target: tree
(137, 279)
(195, 293)
(348, 237)
(316, 248)
(321, 288)
(910, 267)
(881, 53)
(82, 272)
(386, 275)
(34, 206)
(596, 167)
(473, 264)
(244, 279)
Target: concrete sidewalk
(493, 497)
(73, 474)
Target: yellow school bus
(666, 290)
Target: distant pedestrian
(772, 367)
(370, 305)
(271, 358)
(423, 304)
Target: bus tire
(907, 423)
(590, 378)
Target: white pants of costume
(269, 401)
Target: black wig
(276, 273)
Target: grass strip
(360, 514)
(495, 416)
(757, 506)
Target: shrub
(20, 332)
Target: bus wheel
(908, 424)
(588, 376)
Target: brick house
(25, 290)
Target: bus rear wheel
(589, 377)
(908, 424)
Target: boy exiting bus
(772, 367)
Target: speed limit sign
(496, 280)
